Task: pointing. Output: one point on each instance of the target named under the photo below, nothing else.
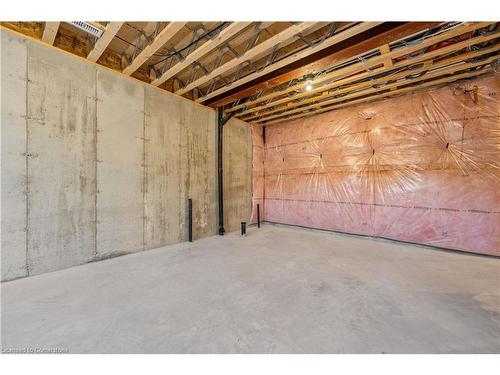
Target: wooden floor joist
(336, 38)
(283, 70)
(370, 73)
(148, 29)
(348, 49)
(259, 50)
(440, 68)
(363, 66)
(102, 43)
(201, 51)
(50, 32)
(159, 41)
(236, 41)
(366, 87)
(385, 95)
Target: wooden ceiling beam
(405, 90)
(289, 48)
(102, 43)
(50, 32)
(193, 32)
(441, 69)
(159, 41)
(282, 38)
(238, 41)
(374, 62)
(370, 73)
(345, 50)
(335, 38)
(201, 51)
(148, 29)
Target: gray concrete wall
(120, 171)
(13, 62)
(180, 164)
(96, 164)
(237, 166)
(164, 193)
(61, 134)
(198, 166)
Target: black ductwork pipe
(221, 120)
(220, 188)
(258, 215)
(190, 220)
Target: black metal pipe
(190, 220)
(243, 228)
(258, 215)
(220, 187)
(221, 121)
(264, 134)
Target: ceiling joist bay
(279, 39)
(269, 72)
(201, 51)
(390, 68)
(336, 38)
(325, 90)
(159, 41)
(50, 32)
(362, 65)
(102, 43)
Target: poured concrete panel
(237, 161)
(109, 169)
(13, 118)
(120, 172)
(198, 152)
(163, 207)
(180, 164)
(61, 163)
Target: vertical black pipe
(258, 215)
(264, 134)
(220, 187)
(190, 220)
(243, 228)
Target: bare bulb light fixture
(309, 85)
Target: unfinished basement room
(291, 187)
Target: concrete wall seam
(103, 165)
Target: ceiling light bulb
(309, 85)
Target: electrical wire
(203, 36)
(167, 56)
(123, 40)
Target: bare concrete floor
(279, 290)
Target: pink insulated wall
(422, 168)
